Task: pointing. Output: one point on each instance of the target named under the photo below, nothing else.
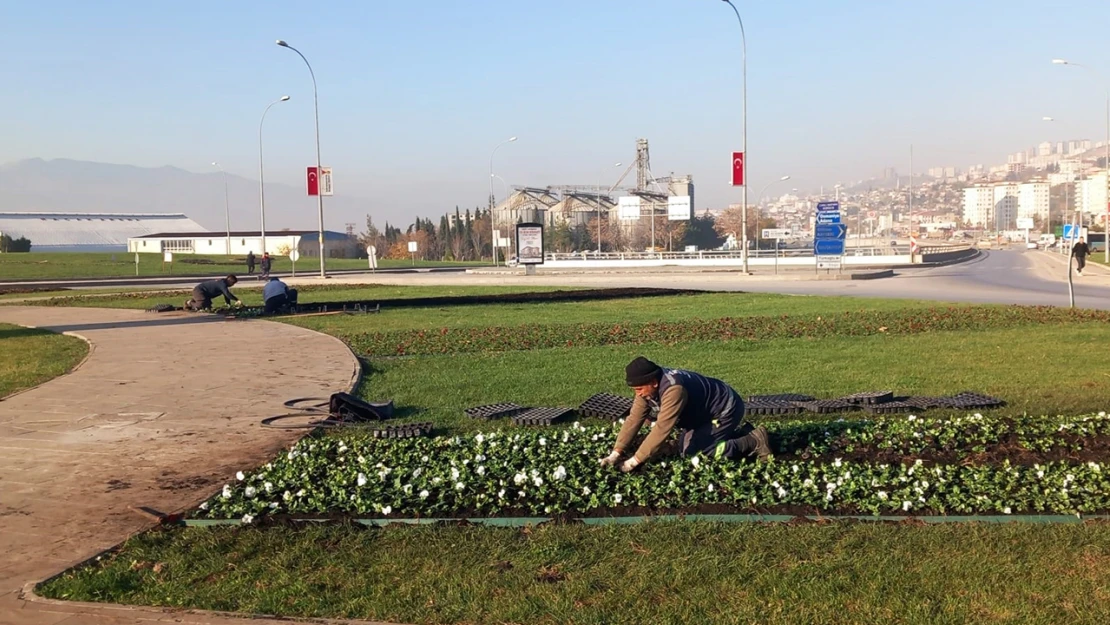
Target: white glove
(610, 460)
(629, 464)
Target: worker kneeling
(278, 297)
(708, 413)
(205, 292)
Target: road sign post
(412, 251)
(372, 257)
(829, 235)
(293, 256)
(778, 234)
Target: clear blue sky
(414, 95)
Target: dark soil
(13, 290)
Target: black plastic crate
(771, 407)
(781, 397)
(827, 406)
(405, 430)
(606, 406)
(870, 397)
(494, 411)
(968, 399)
(928, 403)
(891, 407)
(542, 416)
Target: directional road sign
(828, 262)
(1071, 231)
(836, 232)
(828, 247)
(828, 218)
(776, 233)
(833, 207)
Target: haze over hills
(82, 186)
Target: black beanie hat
(641, 371)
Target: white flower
(586, 491)
(501, 494)
(248, 519)
(287, 496)
(782, 493)
(273, 505)
(227, 492)
(538, 481)
(795, 468)
(407, 488)
(300, 493)
(695, 461)
(269, 486)
(709, 488)
(807, 483)
(423, 458)
(362, 479)
(239, 476)
(459, 486)
(837, 463)
(418, 471)
(204, 506)
(480, 438)
(361, 460)
(882, 495)
(543, 441)
(560, 473)
(1040, 473)
(250, 492)
(455, 474)
(481, 469)
(387, 509)
(1095, 467)
(423, 494)
(906, 505)
(1006, 510)
(520, 478)
(618, 498)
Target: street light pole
(600, 176)
(1106, 146)
(262, 172)
(744, 143)
(319, 167)
(227, 210)
(492, 224)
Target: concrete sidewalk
(165, 410)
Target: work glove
(238, 303)
(629, 464)
(611, 460)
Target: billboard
(628, 207)
(529, 244)
(679, 208)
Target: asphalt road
(159, 281)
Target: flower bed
(485, 339)
(512, 472)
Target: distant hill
(82, 186)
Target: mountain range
(64, 185)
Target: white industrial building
(278, 243)
(999, 205)
(89, 232)
(1091, 195)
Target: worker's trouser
(200, 301)
(1080, 263)
(278, 302)
(724, 437)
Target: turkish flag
(737, 169)
(313, 182)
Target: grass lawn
(32, 356)
(59, 265)
(650, 573)
(250, 292)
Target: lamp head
(617, 165)
(284, 98)
(1048, 119)
(282, 43)
(784, 178)
(1060, 62)
(511, 139)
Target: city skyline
(413, 100)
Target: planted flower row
(530, 472)
(526, 337)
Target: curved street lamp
(492, 225)
(262, 171)
(316, 108)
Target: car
(1030, 245)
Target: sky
(414, 96)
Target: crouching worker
(277, 296)
(204, 292)
(708, 414)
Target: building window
(210, 241)
(242, 241)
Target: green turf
(31, 356)
(250, 291)
(1001, 363)
(668, 308)
(651, 573)
(57, 265)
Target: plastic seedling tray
(781, 397)
(494, 411)
(891, 407)
(826, 406)
(870, 397)
(606, 406)
(968, 399)
(542, 416)
(771, 407)
(406, 430)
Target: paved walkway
(165, 409)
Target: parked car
(1031, 245)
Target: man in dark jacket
(708, 413)
(1080, 251)
(250, 263)
(266, 264)
(204, 292)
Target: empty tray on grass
(542, 416)
(405, 430)
(781, 397)
(891, 407)
(870, 397)
(494, 411)
(606, 406)
(827, 406)
(771, 407)
(968, 399)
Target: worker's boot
(762, 444)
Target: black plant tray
(781, 397)
(771, 407)
(494, 411)
(606, 406)
(891, 407)
(542, 416)
(968, 399)
(870, 397)
(406, 430)
(927, 403)
(826, 406)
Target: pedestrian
(266, 264)
(250, 263)
(204, 292)
(1080, 251)
(277, 296)
(707, 413)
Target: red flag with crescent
(737, 169)
(313, 182)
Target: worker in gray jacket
(708, 414)
(277, 296)
(205, 292)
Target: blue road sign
(833, 207)
(828, 218)
(834, 232)
(828, 247)
(1071, 231)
